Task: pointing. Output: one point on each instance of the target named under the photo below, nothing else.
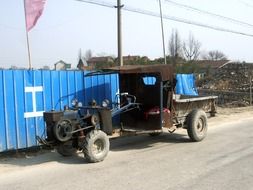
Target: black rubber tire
(66, 149)
(155, 134)
(96, 146)
(197, 125)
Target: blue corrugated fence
(26, 94)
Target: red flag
(33, 11)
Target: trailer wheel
(96, 146)
(66, 149)
(197, 125)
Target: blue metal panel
(47, 90)
(29, 107)
(10, 120)
(55, 90)
(100, 87)
(19, 107)
(3, 140)
(88, 89)
(71, 87)
(114, 81)
(39, 121)
(63, 89)
(26, 94)
(79, 83)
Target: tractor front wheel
(96, 146)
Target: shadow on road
(146, 141)
(142, 142)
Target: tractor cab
(149, 89)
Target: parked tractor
(145, 104)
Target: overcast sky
(68, 25)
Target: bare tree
(175, 46)
(215, 55)
(87, 56)
(191, 48)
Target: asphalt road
(224, 160)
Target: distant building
(45, 67)
(13, 67)
(61, 65)
(100, 62)
(83, 65)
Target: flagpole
(27, 40)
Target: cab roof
(166, 72)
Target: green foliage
(105, 65)
(137, 61)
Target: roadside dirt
(230, 115)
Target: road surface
(224, 160)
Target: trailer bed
(183, 105)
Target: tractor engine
(62, 126)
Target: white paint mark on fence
(34, 113)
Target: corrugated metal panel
(100, 87)
(25, 95)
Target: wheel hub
(98, 146)
(200, 126)
(63, 130)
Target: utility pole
(250, 90)
(120, 57)
(161, 15)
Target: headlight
(105, 103)
(74, 102)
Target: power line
(209, 13)
(186, 21)
(100, 3)
(176, 19)
(245, 3)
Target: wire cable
(209, 13)
(100, 3)
(150, 13)
(176, 19)
(245, 3)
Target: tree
(215, 55)
(191, 48)
(87, 56)
(175, 46)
